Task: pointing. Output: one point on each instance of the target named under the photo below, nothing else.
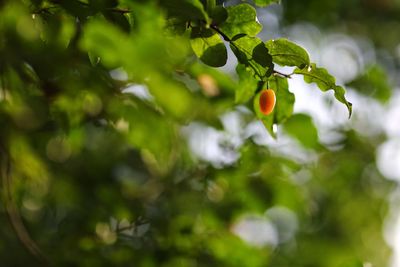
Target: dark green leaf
(251, 52)
(261, 56)
(175, 26)
(301, 127)
(286, 53)
(102, 4)
(118, 19)
(238, 36)
(209, 47)
(325, 82)
(185, 9)
(218, 15)
(241, 19)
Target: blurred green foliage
(96, 101)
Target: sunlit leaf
(325, 82)
(241, 19)
(209, 47)
(286, 53)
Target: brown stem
(275, 72)
(13, 213)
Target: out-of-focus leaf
(286, 53)
(223, 80)
(102, 4)
(118, 19)
(301, 127)
(185, 9)
(104, 40)
(209, 47)
(354, 263)
(373, 82)
(325, 82)
(241, 19)
(172, 96)
(175, 26)
(264, 3)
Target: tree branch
(277, 73)
(12, 210)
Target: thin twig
(275, 72)
(119, 10)
(12, 210)
(226, 38)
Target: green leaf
(185, 9)
(264, 3)
(209, 47)
(241, 19)
(284, 99)
(301, 127)
(283, 107)
(373, 82)
(261, 56)
(218, 15)
(247, 84)
(175, 26)
(325, 82)
(100, 40)
(118, 19)
(252, 52)
(286, 53)
(223, 80)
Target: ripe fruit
(267, 101)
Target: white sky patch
(256, 230)
(283, 145)
(119, 74)
(138, 90)
(285, 222)
(210, 145)
(391, 120)
(388, 159)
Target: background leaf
(263, 3)
(301, 127)
(185, 9)
(373, 82)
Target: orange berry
(267, 101)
